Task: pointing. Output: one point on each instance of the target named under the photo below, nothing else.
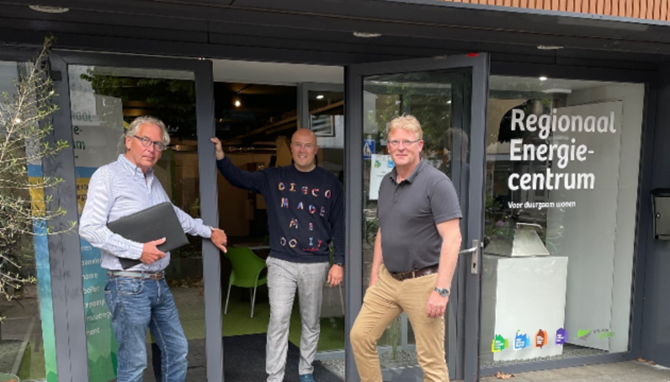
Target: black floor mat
(243, 360)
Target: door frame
(353, 78)
(65, 250)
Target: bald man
(305, 211)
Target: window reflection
(561, 191)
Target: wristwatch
(340, 264)
(442, 291)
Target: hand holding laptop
(160, 230)
(151, 253)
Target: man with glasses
(305, 210)
(139, 297)
(415, 254)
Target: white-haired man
(139, 297)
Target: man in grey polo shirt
(414, 260)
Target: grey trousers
(284, 278)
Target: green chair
(247, 269)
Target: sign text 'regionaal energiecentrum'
(559, 153)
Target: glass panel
(326, 112)
(27, 342)
(440, 100)
(561, 194)
(104, 101)
(254, 123)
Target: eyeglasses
(395, 143)
(158, 145)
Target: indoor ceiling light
(47, 9)
(238, 103)
(366, 35)
(557, 90)
(543, 78)
(320, 96)
(549, 47)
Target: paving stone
(631, 371)
(516, 378)
(619, 368)
(581, 372)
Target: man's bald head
(304, 133)
(304, 149)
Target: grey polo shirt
(408, 213)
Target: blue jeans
(135, 305)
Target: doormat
(244, 360)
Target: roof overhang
(324, 30)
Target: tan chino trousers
(383, 302)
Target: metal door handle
(474, 267)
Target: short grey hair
(134, 126)
(145, 119)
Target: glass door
(104, 94)
(448, 96)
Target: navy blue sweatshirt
(305, 210)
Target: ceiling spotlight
(549, 47)
(367, 35)
(320, 96)
(543, 78)
(238, 103)
(47, 9)
(557, 91)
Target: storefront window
(105, 101)
(561, 195)
(27, 342)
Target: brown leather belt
(138, 274)
(417, 273)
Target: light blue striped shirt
(119, 189)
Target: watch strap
(442, 291)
